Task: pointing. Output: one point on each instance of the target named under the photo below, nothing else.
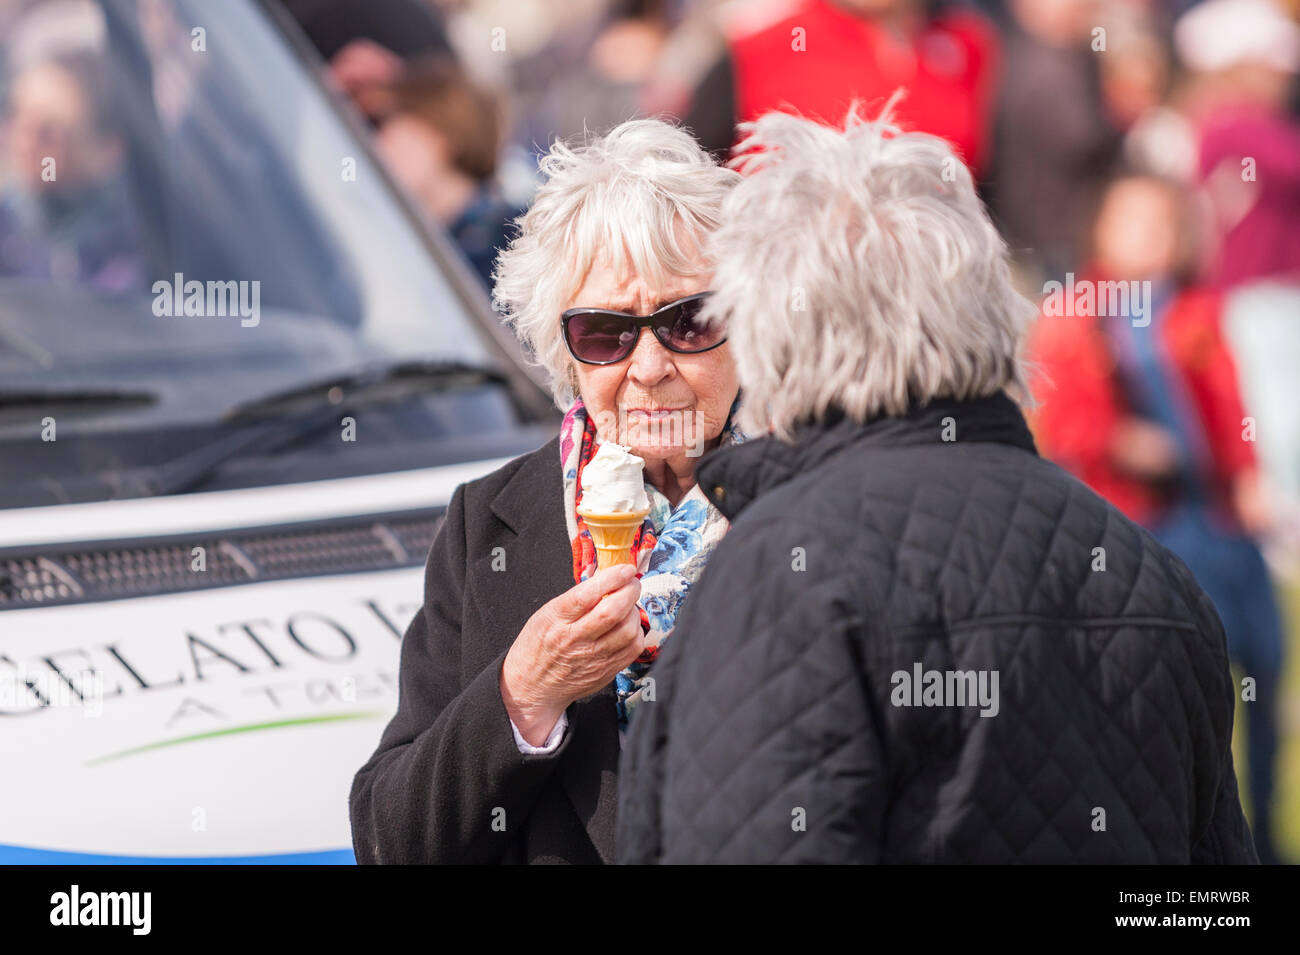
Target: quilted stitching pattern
(773, 698)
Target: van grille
(79, 574)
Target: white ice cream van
(238, 383)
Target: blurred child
(441, 142)
(1150, 416)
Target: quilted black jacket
(790, 721)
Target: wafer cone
(613, 535)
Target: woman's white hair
(858, 269)
(645, 195)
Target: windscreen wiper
(273, 421)
(109, 399)
(378, 383)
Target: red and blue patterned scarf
(671, 549)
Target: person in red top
(1142, 404)
(822, 55)
(1090, 363)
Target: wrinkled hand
(570, 648)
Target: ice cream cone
(613, 535)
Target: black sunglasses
(599, 336)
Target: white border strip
(229, 510)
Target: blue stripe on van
(24, 855)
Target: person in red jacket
(1142, 404)
(816, 57)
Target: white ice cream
(613, 482)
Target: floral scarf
(671, 548)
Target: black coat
(858, 554)
(447, 774)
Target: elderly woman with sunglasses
(523, 669)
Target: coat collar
(534, 495)
(732, 477)
(531, 506)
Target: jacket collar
(526, 500)
(732, 477)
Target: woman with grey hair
(920, 641)
(528, 661)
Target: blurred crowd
(1150, 147)
(1143, 142)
